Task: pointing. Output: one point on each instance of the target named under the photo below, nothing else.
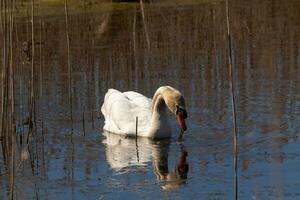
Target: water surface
(187, 49)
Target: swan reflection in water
(122, 152)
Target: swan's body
(122, 109)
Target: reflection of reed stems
(12, 168)
(2, 72)
(72, 158)
(3, 76)
(136, 126)
(136, 138)
(145, 25)
(93, 120)
(134, 51)
(41, 80)
(31, 159)
(231, 76)
(32, 92)
(12, 131)
(2, 66)
(7, 114)
(31, 119)
(11, 59)
(69, 65)
(41, 98)
(83, 119)
(4, 85)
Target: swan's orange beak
(181, 121)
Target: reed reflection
(122, 152)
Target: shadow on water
(108, 48)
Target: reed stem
(69, 64)
(231, 77)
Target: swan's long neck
(159, 121)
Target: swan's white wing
(139, 99)
(121, 109)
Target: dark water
(187, 49)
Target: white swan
(122, 109)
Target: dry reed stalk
(69, 64)
(70, 87)
(231, 76)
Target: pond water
(177, 43)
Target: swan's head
(175, 102)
